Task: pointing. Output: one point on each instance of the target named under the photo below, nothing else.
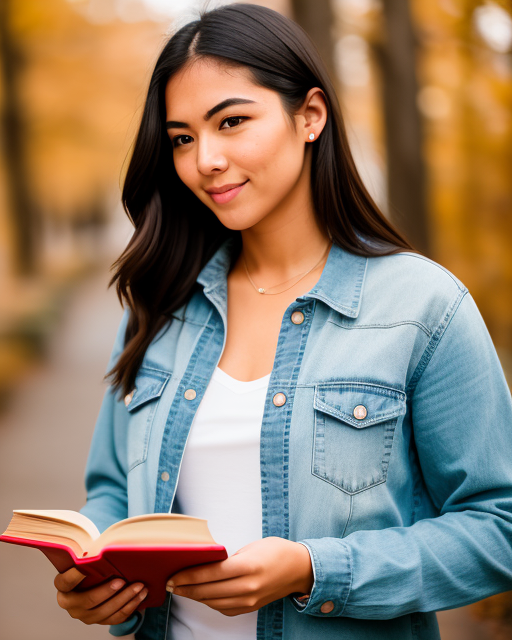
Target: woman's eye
(236, 119)
(176, 139)
(240, 118)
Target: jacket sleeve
(462, 422)
(105, 471)
(106, 468)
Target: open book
(148, 548)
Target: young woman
(345, 415)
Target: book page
(65, 515)
(64, 527)
(155, 529)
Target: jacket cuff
(132, 625)
(332, 570)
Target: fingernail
(138, 588)
(169, 588)
(117, 584)
(143, 594)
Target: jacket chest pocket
(141, 404)
(353, 433)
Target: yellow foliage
(82, 88)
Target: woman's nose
(210, 156)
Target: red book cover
(152, 565)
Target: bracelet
(303, 598)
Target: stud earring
(311, 136)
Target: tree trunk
(316, 17)
(403, 125)
(12, 136)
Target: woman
(346, 416)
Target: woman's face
(251, 142)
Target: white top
(220, 481)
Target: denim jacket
(390, 458)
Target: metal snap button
(190, 394)
(279, 399)
(297, 317)
(165, 476)
(327, 607)
(360, 412)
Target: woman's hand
(259, 573)
(93, 606)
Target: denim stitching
(149, 423)
(164, 372)
(351, 574)
(418, 324)
(350, 508)
(436, 338)
(435, 264)
(163, 501)
(353, 385)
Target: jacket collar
(340, 284)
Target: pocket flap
(149, 385)
(371, 403)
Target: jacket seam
(351, 574)
(351, 497)
(145, 367)
(435, 264)
(197, 324)
(435, 340)
(417, 488)
(377, 325)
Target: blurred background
(426, 89)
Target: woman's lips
(221, 198)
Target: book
(147, 548)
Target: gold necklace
(262, 290)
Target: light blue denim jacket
(390, 460)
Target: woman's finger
(222, 589)
(68, 580)
(235, 612)
(232, 567)
(91, 598)
(118, 608)
(233, 606)
(127, 610)
(79, 607)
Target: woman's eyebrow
(219, 107)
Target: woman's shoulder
(413, 271)
(408, 286)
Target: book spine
(152, 565)
(96, 570)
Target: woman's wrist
(305, 575)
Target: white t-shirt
(220, 481)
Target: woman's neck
(283, 253)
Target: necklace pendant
(261, 290)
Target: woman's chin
(238, 220)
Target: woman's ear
(314, 110)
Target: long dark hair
(175, 233)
